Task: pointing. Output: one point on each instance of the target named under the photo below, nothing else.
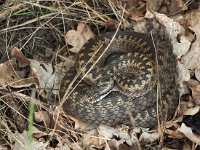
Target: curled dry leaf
(197, 73)
(192, 58)
(121, 133)
(64, 144)
(75, 146)
(42, 116)
(184, 106)
(45, 76)
(3, 147)
(192, 111)
(174, 29)
(187, 145)
(79, 124)
(153, 5)
(187, 131)
(172, 126)
(38, 134)
(111, 25)
(149, 137)
(6, 12)
(10, 77)
(133, 8)
(6, 71)
(77, 38)
(141, 25)
(23, 61)
(137, 13)
(174, 134)
(62, 147)
(195, 88)
(183, 75)
(92, 139)
(177, 6)
(124, 136)
(23, 141)
(114, 143)
(181, 46)
(107, 132)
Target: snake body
(127, 75)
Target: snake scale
(127, 75)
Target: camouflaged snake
(124, 81)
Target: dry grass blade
(159, 96)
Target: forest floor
(39, 40)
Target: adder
(127, 75)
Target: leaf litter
(21, 72)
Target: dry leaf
(153, 5)
(39, 134)
(183, 75)
(62, 147)
(23, 139)
(79, 124)
(174, 29)
(134, 8)
(65, 144)
(186, 146)
(174, 134)
(184, 106)
(192, 58)
(111, 25)
(107, 132)
(10, 74)
(10, 77)
(23, 61)
(44, 73)
(177, 6)
(197, 73)
(92, 139)
(77, 38)
(137, 13)
(195, 88)
(2, 147)
(42, 116)
(163, 9)
(187, 131)
(121, 133)
(169, 149)
(149, 137)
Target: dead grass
(38, 28)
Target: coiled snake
(134, 76)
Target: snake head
(99, 91)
